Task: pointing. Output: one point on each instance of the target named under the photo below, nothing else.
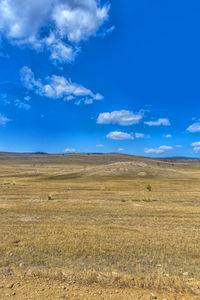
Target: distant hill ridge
(101, 154)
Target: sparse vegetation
(147, 200)
(133, 245)
(148, 187)
(49, 197)
(136, 200)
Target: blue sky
(109, 76)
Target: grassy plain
(86, 226)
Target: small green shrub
(147, 200)
(123, 200)
(148, 187)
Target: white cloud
(168, 136)
(28, 78)
(195, 144)
(56, 87)
(153, 150)
(139, 135)
(22, 105)
(23, 19)
(4, 120)
(106, 32)
(179, 146)
(165, 148)
(100, 145)
(161, 121)
(58, 25)
(27, 98)
(70, 150)
(59, 51)
(158, 150)
(118, 135)
(120, 149)
(196, 149)
(4, 98)
(79, 19)
(194, 127)
(69, 98)
(98, 97)
(122, 117)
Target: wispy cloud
(57, 26)
(3, 120)
(106, 32)
(168, 136)
(121, 117)
(57, 87)
(153, 150)
(22, 105)
(158, 150)
(165, 148)
(139, 135)
(120, 149)
(159, 122)
(70, 150)
(100, 146)
(27, 98)
(196, 147)
(195, 144)
(195, 127)
(118, 135)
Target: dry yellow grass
(89, 220)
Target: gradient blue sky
(91, 76)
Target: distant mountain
(181, 158)
(112, 155)
(37, 153)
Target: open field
(85, 227)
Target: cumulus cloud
(79, 19)
(121, 117)
(158, 150)
(118, 135)
(195, 127)
(159, 122)
(59, 51)
(58, 25)
(70, 150)
(57, 87)
(3, 120)
(139, 135)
